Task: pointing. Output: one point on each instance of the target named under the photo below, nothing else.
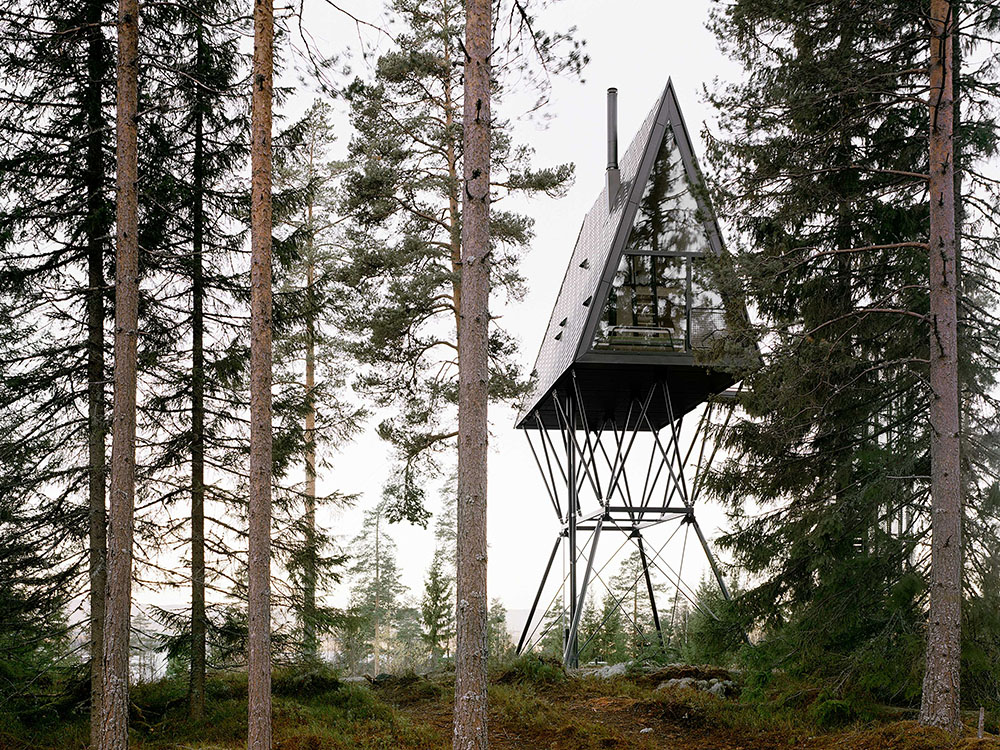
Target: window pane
(666, 220)
(645, 307)
(707, 310)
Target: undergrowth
(533, 703)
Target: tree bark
(378, 588)
(940, 701)
(311, 573)
(196, 696)
(114, 721)
(454, 218)
(96, 450)
(259, 566)
(471, 648)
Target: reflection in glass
(647, 307)
(707, 310)
(667, 217)
(660, 300)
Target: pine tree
(259, 589)
(940, 703)
(471, 622)
(403, 196)
(376, 587)
(114, 729)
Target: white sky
(634, 45)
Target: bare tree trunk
(473, 395)
(196, 697)
(96, 450)
(259, 592)
(454, 218)
(311, 573)
(940, 701)
(114, 717)
(378, 588)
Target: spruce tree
(55, 223)
(822, 166)
(309, 351)
(437, 607)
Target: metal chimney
(614, 179)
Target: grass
(533, 704)
(310, 712)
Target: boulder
(611, 670)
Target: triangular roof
(599, 247)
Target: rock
(679, 683)
(612, 670)
(646, 730)
(718, 689)
(356, 678)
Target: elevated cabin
(636, 305)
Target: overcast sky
(634, 45)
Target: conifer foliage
(824, 169)
(404, 198)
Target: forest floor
(535, 710)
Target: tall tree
(473, 389)
(404, 198)
(376, 590)
(940, 703)
(210, 146)
(308, 348)
(824, 172)
(57, 218)
(97, 65)
(259, 559)
(114, 730)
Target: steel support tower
(631, 351)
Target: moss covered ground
(532, 705)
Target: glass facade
(659, 299)
(667, 219)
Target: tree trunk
(114, 722)
(259, 565)
(197, 687)
(473, 358)
(940, 701)
(378, 588)
(96, 450)
(311, 573)
(454, 219)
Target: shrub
(532, 669)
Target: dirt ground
(580, 714)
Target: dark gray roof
(598, 250)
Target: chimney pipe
(614, 180)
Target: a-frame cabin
(634, 307)
(629, 349)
